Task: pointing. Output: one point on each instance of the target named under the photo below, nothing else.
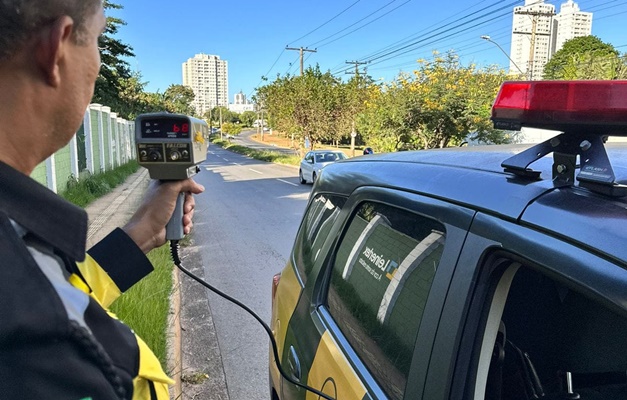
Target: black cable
(353, 24)
(174, 249)
(342, 12)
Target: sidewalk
(194, 359)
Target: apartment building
(570, 23)
(207, 75)
(537, 33)
(531, 38)
(241, 104)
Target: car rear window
(314, 230)
(380, 282)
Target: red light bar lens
(567, 106)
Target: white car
(314, 161)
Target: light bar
(597, 107)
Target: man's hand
(147, 226)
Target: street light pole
(489, 39)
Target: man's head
(19, 19)
(49, 62)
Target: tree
(308, 106)
(390, 117)
(455, 101)
(115, 71)
(585, 57)
(230, 128)
(248, 118)
(178, 99)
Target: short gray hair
(19, 19)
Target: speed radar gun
(171, 146)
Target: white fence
(103, 142)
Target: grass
(89, 188)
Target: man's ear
(51, 48)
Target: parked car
(486, 272)
(314, 161)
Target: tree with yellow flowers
(455, 102)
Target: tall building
(207, 75)
(241, 104)
(531, 38)
(570, 23)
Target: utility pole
(534, 33)
(220, 108)
(262, 125)
(357, 64)
(302, 51)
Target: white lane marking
(238, 164)
(289, 183)
(225, 159)
(254, 170)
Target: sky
(388, 34)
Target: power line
(408, 48)
(302, 61)
(267, 73)
(350, 26)
(341, 12)
(408, 39)
(368, 23)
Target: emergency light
(567, 106)
(585, 111)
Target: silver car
(314, 161)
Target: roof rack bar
(596, 172)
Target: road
(244, 228)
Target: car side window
(380, 281)
(317, 223)
(551, 341)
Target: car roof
(473, 177)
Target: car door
(377, 293)
(307, 166)
(553, 312)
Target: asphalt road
(244, 228)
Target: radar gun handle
(174, 228)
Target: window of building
(380, 281)
(314, 230)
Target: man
(56, 339)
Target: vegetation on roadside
(90, 187)
(269, 156)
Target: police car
(492, 272)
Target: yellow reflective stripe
(104, 290)
(332, 374)
(78, 283)
(141, 390)
(286, 300)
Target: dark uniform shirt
(57, 341)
